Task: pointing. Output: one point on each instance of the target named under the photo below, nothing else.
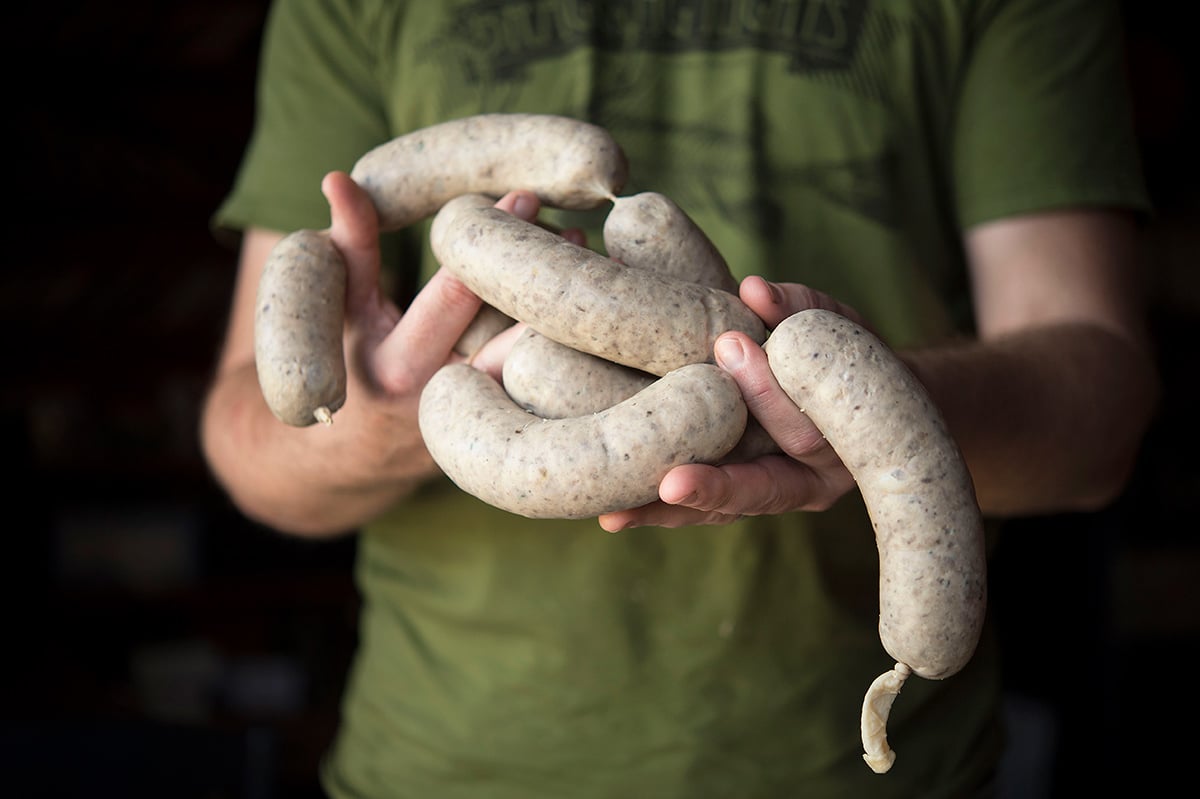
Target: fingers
(491, 356)
(660, 514)
(768, 485)
(522, 204)
(422, 341)
(574, 235)
(787, 425)
(403, 351)
(354, 229)
(695, 494)
(808, 476)
(526, 205)
(774, 302)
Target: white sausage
(651, 231)
(568, 163)
(916, 487)
(553, 381)
(643, 231)
(582, 466)
(580, 298)
(298, 329)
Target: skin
(1048, 402)
(319, 480)
(407, 179)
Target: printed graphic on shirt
(495, 49)
(505, 36)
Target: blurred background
(156, 643)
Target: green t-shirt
(845, 145)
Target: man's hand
(326, 480)
(807, 476)
(1048, 401)
(393, 354)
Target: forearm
(1049, 419)
(309, 481)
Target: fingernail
(728, 351)
(525, 206)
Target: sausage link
(582, 466)
(580, 298)
(298, 329)
(568, 163)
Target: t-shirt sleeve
(318, 108)
(1045, 114)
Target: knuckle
(395, 378)
(803, 441)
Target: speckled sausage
(651, 231)
(568, 163)
(916, 487)
(298, 329)
(582, 299)
(643, 231)
(554, 381)
(582, 466)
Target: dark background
(156, 643)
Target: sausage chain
(651, 321)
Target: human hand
(806, 475)
(323, 480)
(392, 354)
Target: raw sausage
(298, 329)
(582, 466)
(580, 298)
(568, 163)
(917, 490)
